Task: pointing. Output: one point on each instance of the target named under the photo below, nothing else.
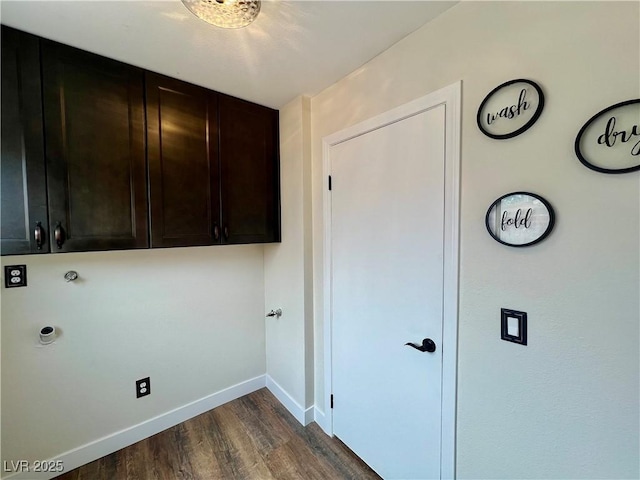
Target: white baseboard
(308, 416)
(323, 420)
(305, 417)
(111, 443)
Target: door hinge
(329, 182)
(332, 394)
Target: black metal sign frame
(526, 126)
(521, 219)
(634, 132)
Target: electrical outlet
(15, 276)
(143, 387)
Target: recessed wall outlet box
(143, 387)
(15, 276)
(514, 326)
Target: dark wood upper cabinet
(183, 163)
(100, 155)
(23, 201)
(213, 167)
(95, 151)
(250, 174)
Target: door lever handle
(428, 345)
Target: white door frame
(450, 97)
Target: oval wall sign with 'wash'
(510, 109)
(610, 141)
(520, 219)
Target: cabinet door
(183, 163)
(250, 176)
(95, 149)
(24, 199)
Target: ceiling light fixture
(225, 13)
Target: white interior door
(387, 222)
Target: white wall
(566, 405)
(190, 318)
(287, 271)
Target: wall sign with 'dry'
(510, 109)
(520, 219)
(610, 140)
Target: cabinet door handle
(226, 232)
(38, 234)
(216, 232)
(59, 235)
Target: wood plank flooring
(251, 438)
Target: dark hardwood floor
(252, 438)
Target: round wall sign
(610, 140)
(520, 219)
(510, 109)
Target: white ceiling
(293, 48)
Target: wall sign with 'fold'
(520, 219)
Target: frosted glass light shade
(225, 13)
